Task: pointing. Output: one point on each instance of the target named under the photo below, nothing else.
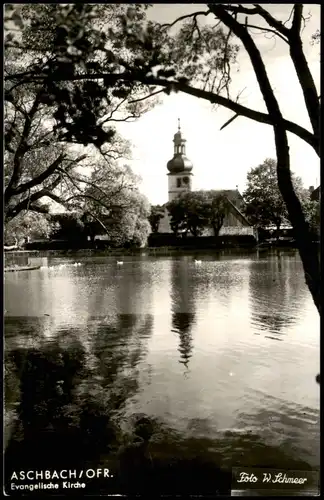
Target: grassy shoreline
(86, 252)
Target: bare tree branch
(267, 30)
(109, 117)
(12, 212)
(289, 17)
(89, 197)
(98, 220)
(125, 119)
(187, 16)
(21, 148)
(146, 97)
(38, 208)
(237, 8)
(22, 188)
(228, 122)
(88, 183)
(210, 96)
(272, 21)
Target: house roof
(235, 199)
(239, 212)
(232, 194)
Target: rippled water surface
(223, 354)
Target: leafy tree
(218, 207)
(27, 225)
(264, 203)
(313, 216)
(196, 208)
(178, 213)
(316, 37)
(194, 211)
(112, 204)
(138, 225)
(157, 213)
(35, 162)
(58, 44)
(44, 119)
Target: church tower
(179, 176)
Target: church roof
(179, 163)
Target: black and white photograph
(161, 232)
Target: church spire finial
(179, 124)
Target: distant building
(180, 177)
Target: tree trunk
(216, 229)
(309, 252)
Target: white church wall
(174, 189)
(236, 230)
(164, 225)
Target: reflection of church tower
(183, 315)
(179, 176)
(181, 323)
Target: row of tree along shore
(136, 224)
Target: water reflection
(182, 323)
(119, 347)
(87, 348)
(183, 307)
(16, 260)
(67, 392)
(23, 259)
(276, 289)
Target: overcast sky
(222, 159)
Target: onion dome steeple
(179, 162)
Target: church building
(180, 180)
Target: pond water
(221, 355)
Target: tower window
(178, 183)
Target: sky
(221, 159)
